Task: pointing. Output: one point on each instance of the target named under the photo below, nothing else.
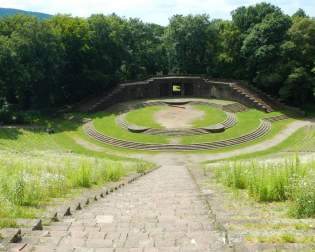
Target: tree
(261, 49)
(59, 61)
(246, 18)
(147, 54)
(37, 56)
(189, 41)
(228, 60)
(300, 13)
(299, 54)
(73, 32)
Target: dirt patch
(178, 116)
(88, 145)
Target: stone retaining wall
(160, 87)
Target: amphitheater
(232, 98)
(182, 126)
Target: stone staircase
(276, 118)
(106, 100)
(253, 97)
(262, 130)
(230, 120)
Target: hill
(9, 12)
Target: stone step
(263, 129)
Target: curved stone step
(263, 129)
(229, 122)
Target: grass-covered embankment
(247, 122)
(289, 180)
(36, 167)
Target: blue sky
(157, 11)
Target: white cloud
(157, 11)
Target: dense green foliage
(58, 61)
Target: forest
(47, 64)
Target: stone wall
(161, 87)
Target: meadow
(37, 167)
(288, 180)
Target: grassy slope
(276, 128)
(144, 116)
(301, 139)
(106, 123)
(32, 154)
(212, 116)
(246, 122)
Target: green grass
(212, 116)
(36, 167)
(288, 180)
(144, 116)
(281, 238)
(246, 122)
(106, 124)
(276, 128)
(303, 139)
(30, 179)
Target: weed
(279, 181)
(29, 180)
(288, 238)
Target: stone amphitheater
(172, 207)
(191, 89)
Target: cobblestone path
(162, 211)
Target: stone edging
(15, 235)
(218, 225)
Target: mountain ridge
(10, 11)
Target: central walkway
(162, 211)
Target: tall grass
(289, 180)
(29, 180)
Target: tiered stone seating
(230, 120)
(262, 130)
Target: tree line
(45, 64)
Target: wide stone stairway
(162, 211)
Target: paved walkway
(161, 211)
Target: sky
(156, 11)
